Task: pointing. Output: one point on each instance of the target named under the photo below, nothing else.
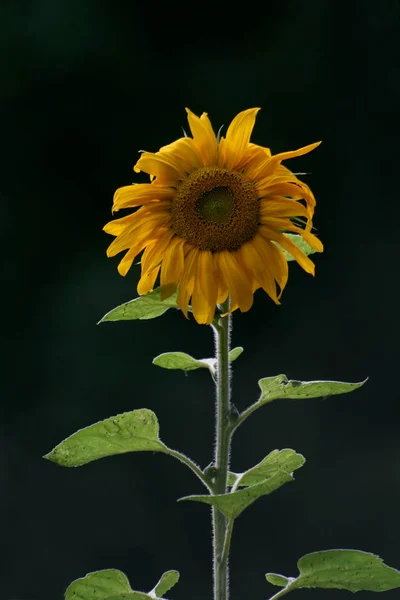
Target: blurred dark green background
(85, 85)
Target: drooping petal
(287, 244)
(275, 262)
(147, 281)
(222, 289)
(256, 266)
(127, 261)
(236, 281)
(186, 285)
(204, 297)
(204, 137)
(172, 264)
(234, 145)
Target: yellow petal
(236, 281)
(290, 247)
(295, 153)
(253, 157)
(297, 192)
(126, 262)
(205, 290)
(274, 260)
(147, 280)
(234, 145)
(257, 267)
(138, 236)
(222, 290)
(163, 166)
(314, 242)
(281, 207)
(204, 137)
(117, 226)
(186, 152)
(154, 252)
(172, 262)
(140, 193)
(148, 212)
(186, 284)
(270, 166)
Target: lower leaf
(351, 570)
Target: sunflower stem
(223, 433)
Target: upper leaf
(274, 388)
(351, 570)
(129, 432)
(287, 460)
(144, 307)
(300, 243)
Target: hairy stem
(221, 327)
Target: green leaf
(274, 388)
(129, 432)
(278, 460)
(350, 570)
(266, 477)
(182, 361)
(144, 307)
(235, 353)
(167, 581)
(111, 584)
(300, 243)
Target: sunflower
(212, 219)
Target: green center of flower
(216, 209)
(217, 205)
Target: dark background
(85, 85)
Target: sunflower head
(212, 219)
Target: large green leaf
(144, 307)
(111, 584)
(274, 388)
(278, 460)
(351, 570)
(300, 243)
(129, 432)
